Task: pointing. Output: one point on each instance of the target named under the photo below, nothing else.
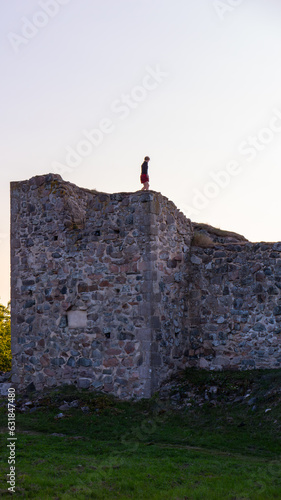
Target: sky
(88, 88)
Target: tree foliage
(5, 339)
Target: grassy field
(214, 436)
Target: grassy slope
(196, 444)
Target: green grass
(153, 449)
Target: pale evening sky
(90, 87)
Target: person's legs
(145, 182)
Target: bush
(5, 339)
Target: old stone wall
(94, 277)
(114, 291)
(235, 306)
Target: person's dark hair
(146, 158)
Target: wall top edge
(38, 181)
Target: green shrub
(5, 339)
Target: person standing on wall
(144, 174)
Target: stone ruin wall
(109, 292)
(94, 278)
(235, 306)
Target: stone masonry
(235, 306)
(98, 287)
(110, 291)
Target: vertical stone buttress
(169, 250)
